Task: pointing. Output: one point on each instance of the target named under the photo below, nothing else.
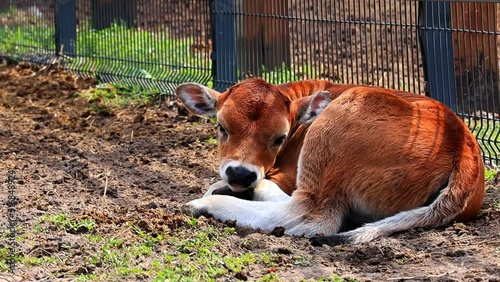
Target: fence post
(224, 55)
(65, 24)
(437, 47)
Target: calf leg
(265, 191)
(296, 217)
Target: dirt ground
(151, 160)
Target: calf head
(254, 119)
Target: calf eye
(279, 141)
(221, 130)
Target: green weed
(212, 140)
(488, 135)
(37, 261)
(336, 278)
(303, 261)
(86, 277)
(106, 95)
(196, 258)
(4, 256)
(270, 259)
(63, 221)
(490, 173)
(270, 277)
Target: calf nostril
(251, 177)
(230, 172)
(240, 175)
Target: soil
(150, 161)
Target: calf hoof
(194, 210)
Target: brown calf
(359, 162)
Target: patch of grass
(116, 54)
(107, 95)
(303, 261)
(285, 74)
(270, 277)
(490, 173)
(94, 238)
(212, 140)
(195, 257)
(63, 221)
(30, 261)
(336, 278)
(488, 134)
(193, 251)
(4, 256)
(117, 255)
(86, 277)
(22, 36)
(270, 259)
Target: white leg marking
(266, 190)
(269, 191)
(263, 215)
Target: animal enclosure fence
(444, 49)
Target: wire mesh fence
(444, 49)
(152, 43)
(361, 42)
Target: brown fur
(430, 134)
(374, 151)
(261, 103)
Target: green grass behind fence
(130, 55)
(487, 133)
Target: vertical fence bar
(65, 25)
(224, 56)
(436, 39)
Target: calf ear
(310, 107)
(198, 99)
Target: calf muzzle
(240, 176)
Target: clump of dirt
(124, 172)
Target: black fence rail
(444, 49)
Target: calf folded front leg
(218, 188)
(294, 216)
(269, 191)
(265, 191)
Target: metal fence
(444, 49)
